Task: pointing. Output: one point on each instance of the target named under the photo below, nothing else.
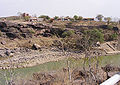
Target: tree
(45, 17)
(99, 17)
(27, 18)
(78, 17)
(56, 17)
(75, 17)
(108, 19)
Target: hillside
(25, 45)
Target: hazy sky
(85, 8)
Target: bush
(32, 31)
(68, 33)
(27, 18)
(57, 31)
(109, 26)
(76, 43)
(94, 35)
(45, 17)
(83, 42)
(56, 17)
(73, 42)
(78, 17)
(112, 37)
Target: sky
(85, 8)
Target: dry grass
(28, 42)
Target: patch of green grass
(57, 65)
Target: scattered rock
(2, 53)
(3, 24)
(13, 35)
(26, 35)
(9, 53)
(44, 78)
(36, 47)
(3, 42)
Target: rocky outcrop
(14, 30)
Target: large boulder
(36, 47)
(3, 24)
(26, 35)
(13, 35)
(3, 42)
(26, 30)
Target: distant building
(25, 14)
(35, 19)
(32, 19)
(63, 19)
(88, 19)
(40, 19)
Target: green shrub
(109, 26)
(32, 31)
(77, 17)
(70, 23)
(57, 31)
(27, 18)
(45, 17)
(111, 37)
(114, 36)
(94, 35)
(67, 33)
(56, 17)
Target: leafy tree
(75, 17)
(108, 19)
(45, 17)
(56, 17)
(78, 17)
(99, 17)
(27, 18)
